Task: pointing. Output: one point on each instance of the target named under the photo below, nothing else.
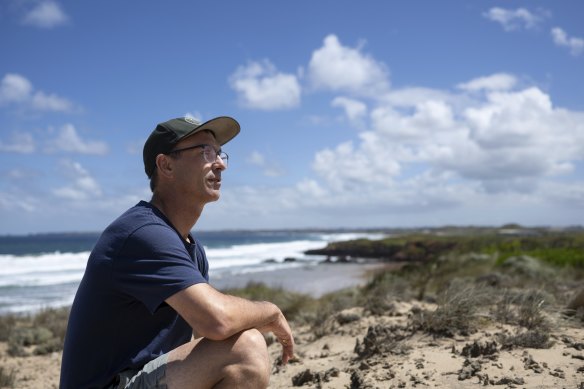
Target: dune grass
(40, 333)
(7, 378)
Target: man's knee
(252, 350)
(251, 344)
(252, 339)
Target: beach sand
(417, 361)
(312, 279)
(423, 361)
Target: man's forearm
(217, 316)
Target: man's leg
(238, 362)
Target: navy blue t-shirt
(119, 319)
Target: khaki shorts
(151, 376)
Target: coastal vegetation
(455, 282)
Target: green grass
(557, 248)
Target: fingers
(287, 349)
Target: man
(145, 291)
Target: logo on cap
(191, 120)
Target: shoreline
(314, 279)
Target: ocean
(41, 271)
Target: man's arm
(218, 316)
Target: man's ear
(164, 164)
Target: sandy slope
(421, 361)
(418, 360)
(33, 372)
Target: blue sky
(353, 114)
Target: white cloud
(350, 168)
(354, 109)
(21, 142)
(256, 158)
(18, 202)
(260, 86)
(504, 141)
(499, 81)
(52, 102)
(69, 141)
(83, 186)
(447, 157)
(561, 38)
(196, 115)
(16, 89)
(46, 14)
(514, 19)
(340, 68)
(269, 169)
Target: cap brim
(224, 128)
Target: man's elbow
(217, 328)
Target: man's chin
(215, 195)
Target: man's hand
(283, 333)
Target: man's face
(196, 178)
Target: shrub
(53, 319)
(456, 311)
(7, 378)
(504, 311)
(531, 339)
(7, 323)
(26, 336)
(322, 317)
(531, 310)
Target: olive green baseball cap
(167, 134)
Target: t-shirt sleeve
(154, 264)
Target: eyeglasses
(209, 153)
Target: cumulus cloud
(82, 185)
(17, 89)
(261, 86)
(21, 142)
(506, 140)
(270, 169)
(454, 153)
(194, 115)
(14, 89)
(561, 38)
(486, 139)
(68, 140)
(517, 19)
(355, 110)
(46, 14)
(339, 68)
(499, 81)
(51, 102)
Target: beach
(462, 320)
(314, 279)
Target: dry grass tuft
(40, 333)
(7, 378)
(457, 310)
(531, 339)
